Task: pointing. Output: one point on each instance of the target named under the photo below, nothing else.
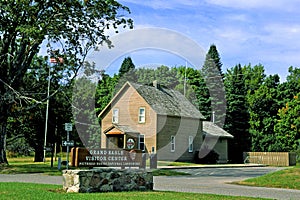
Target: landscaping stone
(107, 180)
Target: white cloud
(159, 4)
(250, 4)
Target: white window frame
(172, 143)
(142, 116)
(115, 115)
(142, 137)
(191, 145)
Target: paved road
(31, 178)
(216, 181)
(203, 180)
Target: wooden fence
(271, 158)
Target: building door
(116, 141)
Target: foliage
(254, 77)
(105, 91)
(237, 116)
(287, 129)
(126, 66)
(74, 27)
(214, 82)
(263, 108)
(84, 112)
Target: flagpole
(47, 111)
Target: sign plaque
(108, 157)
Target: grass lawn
(26, 165)
(31, 191)
(287, 178)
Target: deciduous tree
(74, 26)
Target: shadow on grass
(29, 168)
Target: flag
(54, 60)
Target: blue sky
(244, 31)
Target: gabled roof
(163, 101)
(212, 130)
(122, 129)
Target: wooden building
(152, 119)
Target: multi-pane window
(142, 142)
(191, 148)
(142, 115)
(172, 143)
(115, 115)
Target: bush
(298, 155)
(18, 147)
(211, 158)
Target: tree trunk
(3, 125)
(39, 154)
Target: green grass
(168, 163)
(11, 191)
(21, 165)
(287, 178)
(165, 172)
(26, 165)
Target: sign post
(68, 128)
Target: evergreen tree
(237, 117)
(126, 73)
(196, 90)
(105, 91)
(215, 56)
(214, 82)
(127, 66)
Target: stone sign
(82, 157)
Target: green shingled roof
(212, 130)
(167, 102)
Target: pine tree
(213, 76)
(126, 73)
(215, 56)
(127, 66)
(237, 117)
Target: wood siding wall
(181, 128)
(219, 145)
(128, 103)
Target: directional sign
(68, 126)
(68, 143)
(48, 148)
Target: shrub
(211, 158)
